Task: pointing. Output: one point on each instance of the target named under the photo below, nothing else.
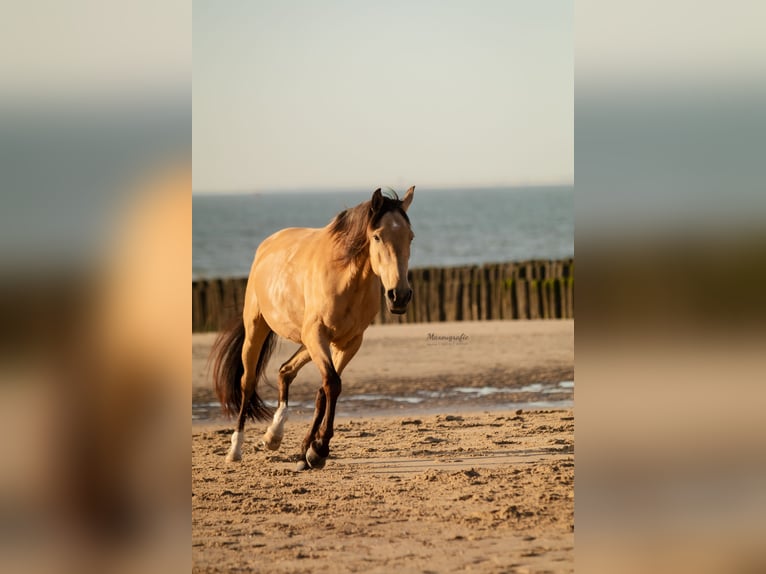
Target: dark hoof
(302, 465)
(314, 460)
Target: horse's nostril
(391, 294)
(409, 296)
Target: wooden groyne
(540, 289)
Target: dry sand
(405, 489)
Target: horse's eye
(376, 237)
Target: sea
(452, 226)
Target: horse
(321, 288)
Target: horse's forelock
(389, 204)
(349, 228)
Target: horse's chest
(350, 316)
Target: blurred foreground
(95, 223)
(95, 397)
(671, 316)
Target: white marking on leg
(235, 452)
(280, 417)
(273, 436)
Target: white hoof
(271, 441)
(235, 452)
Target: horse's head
(390, 235)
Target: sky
(362, 94)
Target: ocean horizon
(456, 226)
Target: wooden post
(438, 292)
(465, 283)
(474, 289)
(446, 295)
(551, 296)
(497, 292)
(481, 285)
(510, 292)
(228, 303)
(555, 306)
(512, 299)
(561, 298)
(435, 307)
(570, 297)
(534, 299)
(502, 292)
(545, 311)
(521, 298)
(213, 305)
(415, 281)
(451, 298)
(430, 299)
(197, 307)
(422, 315)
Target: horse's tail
(228, 369)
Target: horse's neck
(359, 273)
(356, 275)
(357, 288)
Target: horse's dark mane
(349, 228)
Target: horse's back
(286, 248)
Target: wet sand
(474, 486)
(401, 368)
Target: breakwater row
(539, 289)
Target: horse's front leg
(319, 449)
(316, 446)
(319, 410)
(272, 438)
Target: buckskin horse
(320, 288)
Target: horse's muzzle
(398, 300)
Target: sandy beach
(472, 472)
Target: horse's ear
(408, 198)
(377, 200)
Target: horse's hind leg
(287, 372)
(256, 332)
